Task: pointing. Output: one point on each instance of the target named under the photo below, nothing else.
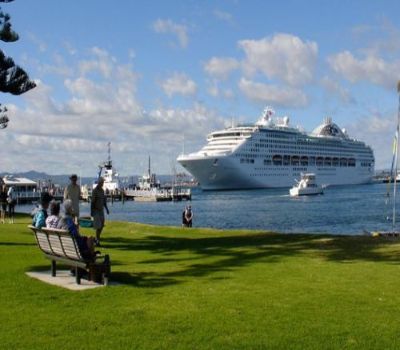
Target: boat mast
(396, 157)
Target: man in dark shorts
(97, 206)
(3, 203)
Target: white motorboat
(306, 186)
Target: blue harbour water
(340, 210)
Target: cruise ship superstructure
(271, 154)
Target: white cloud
(198, 120)
(102, 63)
(283, 56)
(70, 48)
(179, 84)
(228, 93)
(270, 94)
(41, 45)
(221, 67)
(376, 130)
(70, 134)
(379, 39)
(223, 16)
(168, 26)
(131, 54)
(335, 89)
(372, 68)
(214, 90)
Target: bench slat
(70, 248)
(55, 245)
(43, 242)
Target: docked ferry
(271, 154)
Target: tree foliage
(13, 79)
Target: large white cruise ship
(273, 154)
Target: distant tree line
(13, 79)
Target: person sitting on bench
(54, 218)
(85, 244)
(40, 214)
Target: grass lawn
(207, 289)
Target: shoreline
(204, 230)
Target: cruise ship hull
(226, 173)
(271, 154)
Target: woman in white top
(54, 218)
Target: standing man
(11, 204)
(73, 192)
(99, 202)
(3, 203)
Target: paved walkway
(64, 280)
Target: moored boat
(149, 189)
(110, 175)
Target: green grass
(207, 289)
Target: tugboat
(150, 190)
(306, 186)
(111, 177)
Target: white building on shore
(23, 187)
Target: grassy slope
(207, 289)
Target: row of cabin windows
(290, 140)
(366, 164)
(247, 160)
(252, 153)
(305, 161)
(299, 150)
(310, 142)
(257, 146)
(230, 134)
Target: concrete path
(64, 280)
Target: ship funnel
(266, 117)
(268, 113)
(286, 121)
(328, 120)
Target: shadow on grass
(144, 279)
(10, 244)
(198, 257)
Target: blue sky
(142, 74)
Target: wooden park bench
(59, 246)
